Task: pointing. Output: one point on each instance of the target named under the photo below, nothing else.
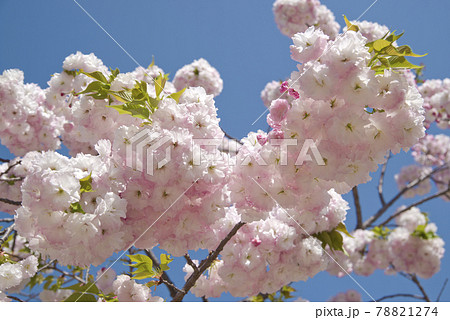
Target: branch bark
(414, 205)
(359, 220)
(173, 290)
(206, 263)
(411, 185)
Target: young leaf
(86, 184)
(350, 26)
(76, 207)
(89, 287)
(97, 75)
(176, 96)
(80, 297)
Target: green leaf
(97, 75)
(165, 260)
(151, 64)
(134, 109)
(122, 96)
(80, 297)
(350, 26)
(380, 44)
(401, 62)
(381, 232)
(342, 228)
(402, 51)
(160, 82)
(393, 37)
(94, 86)
(176, 96)
(76, 207)
(86, 184)
(421, 232)
(143, 265)
(89, 287)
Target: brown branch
(415, 204)
(15, 298)
(442, 290)
(401, 295)
(359, 220)
(4, 160)
(416, 281)
(411, 185)
(206, 263)
(11, 166)
(6, 233)
(14, 203)
(173, 290)
(381, 180)
(190, 262)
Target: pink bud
(262, 139)
(278, 110)
(256, 242)
(68, 127)
(294, 93)
(284, 87)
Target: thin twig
(11, 166)
(205, 299)
(6, 220)
(6, 233)
(15, 298)
(67, 274)
(411, 185)
(164, 276)
(442, 290)
(230, 137)
(4, 160)
(380, 182)
(401, 295)
(359, 220)
(416, 281)
(206, 263)
(415, 204)
(15, 203)
(190, 262)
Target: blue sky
(240, 39)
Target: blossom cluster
(347, 296)
(27, 122)
(14, 274)
(127, 290)
(71, 209)
(271, 252)
(181, 199)
(437, 102)
(199, 74)
(412, 247)
(293, 16)
(434, 151)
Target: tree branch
(190, 262)
(14, 203)
(359, 220)
(415, 204)
(206, 263)
(380, 182)
(411, 185)
(11, 166)
(442, 290)
(401, 295)
(173, 290)
(416, 281)
(6, 233)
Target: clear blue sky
(240, 39)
